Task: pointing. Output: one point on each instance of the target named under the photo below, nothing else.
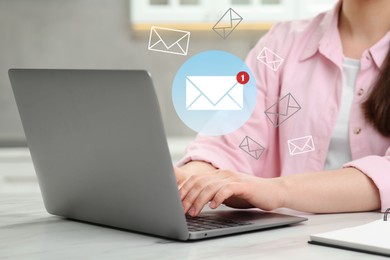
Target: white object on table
(372, 237)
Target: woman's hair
(376, 107)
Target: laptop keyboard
(211, 222)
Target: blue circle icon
(214, 93)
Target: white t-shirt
(339, 151)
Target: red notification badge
(242, 77)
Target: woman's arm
(343, 190)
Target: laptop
(100, 153)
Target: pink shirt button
(357, 130)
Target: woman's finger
(208, 192)
(192, 188)
(225, 192)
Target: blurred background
(114, 34)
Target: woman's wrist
(267, 194)
(282, 192)
(196, 167)
(277, 188)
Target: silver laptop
(100, 153)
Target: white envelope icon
(301, 145)
(169, 40)
(270, 59)
(213, 93)
(228, 22)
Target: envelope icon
(270, 59)
(251, 147)
(301, 145)
(169, 40)
(285, 108)
(228, 22)
(213, 93)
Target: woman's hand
(342, 190)
(192, 168)
(229, 187)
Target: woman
(337, 67)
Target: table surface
(27, 231)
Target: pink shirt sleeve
(378, 169)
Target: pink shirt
(312, 73)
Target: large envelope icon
(286, 107)
(169, 40)
(213, 93)
(228, 22)
(301, 145)
(251, 147)
(270, 59)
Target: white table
(27, 231)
